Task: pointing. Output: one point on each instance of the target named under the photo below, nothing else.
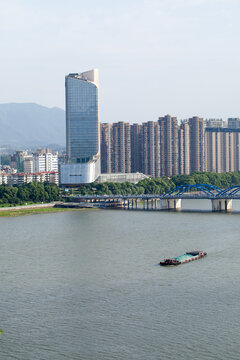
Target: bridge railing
(197, 191)
(208, 190)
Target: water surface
(86, 285)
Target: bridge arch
(231, 191)
(209, 190)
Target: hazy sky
(154, 57)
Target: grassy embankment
(30, 211)
(8, 213)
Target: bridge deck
(157, 197)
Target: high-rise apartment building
(116, 148)
(136, 153)
(106, 148)
(164, 148)
(184, 148)
(222, 149)
(121, 147)
(196, 135)
(82, 128)
(169, 145)
(150, 148)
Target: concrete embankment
(28, 207)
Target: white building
(45, 162)
(51, 162)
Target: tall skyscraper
(82, 129)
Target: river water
(87, 285)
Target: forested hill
(26, 124)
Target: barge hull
(182, 259)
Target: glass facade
(82, 119)
(82, 128)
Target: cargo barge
(182, 259)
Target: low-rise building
(25, 178)
(121, 177)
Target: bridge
(221, 199)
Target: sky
(155, 57)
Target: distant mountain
(30, 124)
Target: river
(87, 285)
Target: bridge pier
(222, 205)
(171, 204)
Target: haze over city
(154, 57)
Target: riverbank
(28, 206)
(33, 209)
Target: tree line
(161, 185)
(32, 192)
(45, 192)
